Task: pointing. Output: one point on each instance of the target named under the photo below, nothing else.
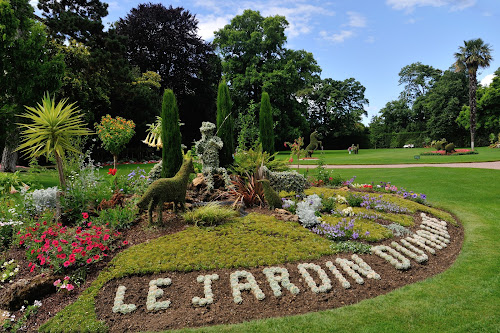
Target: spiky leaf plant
(49, 132)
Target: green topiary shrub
(450, 148)
(313, 144)
(288, 181)
(167, 190)
(272, 197)
(225, 125)
(266, 124)
(170, 135)
(440, 145)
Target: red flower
(125, 242)
(112, 172)
(66, 264)
(89, 260)
(96, 257)
(85, 215)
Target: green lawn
(465, 298)
(396, 156)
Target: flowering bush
(296, 149)
(59, 248)
(306, 210)
(341, 231)
(64, 284)
(115, 133)
(8, 270)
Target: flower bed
(456, 152)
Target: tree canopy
(254, 58)
(173, 49)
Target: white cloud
(300, 17)
(486, 81)
(356, 20)
(370, 39)
(208, 24)
(410, 5)
(337, 38)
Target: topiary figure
(167, 190)
(208, 150)
(272, 198)
(314, 144)
(450, 148)
(440, 145)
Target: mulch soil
(184, 287)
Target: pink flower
(89, 260)
(66, 264)
(85, 215)
(57, 282)
(66, 278)
(125, 242)
(290, 160)
(70, 287)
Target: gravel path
(479, 165)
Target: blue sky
(369, 40)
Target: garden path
(480, 165)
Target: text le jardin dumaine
(432, 235)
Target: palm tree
(474, 54)
(50, 131)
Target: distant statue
(314, 144)
(208, 150)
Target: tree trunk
(472, 105)
(115, 159)
(9, 156)
(59, 165)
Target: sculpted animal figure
(314, 144)
(167, 190)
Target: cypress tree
(225, 125)
(170, 136)
(266, 124)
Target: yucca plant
(50, 131)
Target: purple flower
(355, 235)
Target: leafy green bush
(118, 217)
(210, 215)
(84, 191)
(351, 246)
(354, 200)
(327, 204)
(248, 161)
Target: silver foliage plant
(40, 200)
(306, 211)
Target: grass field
(465, 298)
(396, 156)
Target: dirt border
(224, 311)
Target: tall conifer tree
(225, 124)
(266, 124)
(170, 136)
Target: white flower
(325, 281)
(250, 285)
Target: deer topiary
(167, 190)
